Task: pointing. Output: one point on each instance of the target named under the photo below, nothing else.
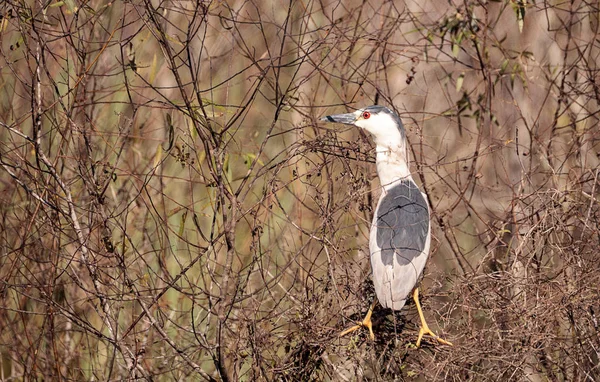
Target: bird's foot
(366, 323)
(424, 327)
(425, 330)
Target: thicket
(172, 209)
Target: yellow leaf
(201, 157)
(153, 70)
(158, 155)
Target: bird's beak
(347, 119)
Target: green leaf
(249, 158)
(455, 49)
(495, 120)
(503, 66)
(182, 223)
(519, 8)
(459, 81)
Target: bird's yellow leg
(365, 323)
(424, 327)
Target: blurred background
(172, 209)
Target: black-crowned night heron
(400, 232)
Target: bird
(400, 233)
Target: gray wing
(402, 223)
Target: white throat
(392, 165)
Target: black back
(402, 223)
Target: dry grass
(171, 208)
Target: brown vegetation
(171, 208)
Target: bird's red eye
(366, 115)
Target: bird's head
(385, 125)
